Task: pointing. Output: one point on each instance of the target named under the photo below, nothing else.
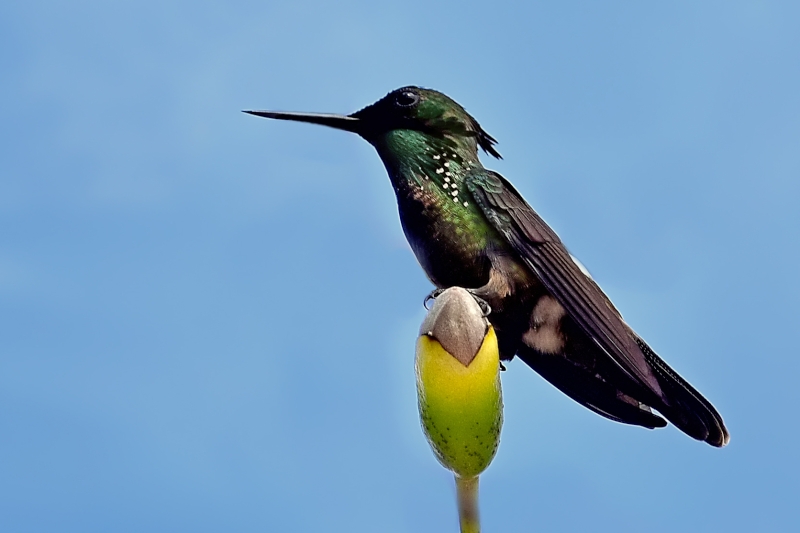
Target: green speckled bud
(460, 399)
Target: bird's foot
(486, 309)
(430, 297)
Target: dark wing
(543, 252)
(621, 351)
(585, 387)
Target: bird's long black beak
(340, 122)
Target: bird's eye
(406, 99)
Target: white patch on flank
(545, 332)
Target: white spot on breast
(446, 185)
(436, 157)
(447, 180)
(439, 170)
(466, 204)
(447, 163)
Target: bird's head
(423, 113)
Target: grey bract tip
(457, 322)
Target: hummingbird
(469, 227)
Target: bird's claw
(486, 309)
(432, 296)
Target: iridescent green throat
(429, 162)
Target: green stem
(467, 495)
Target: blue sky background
(207, 319)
